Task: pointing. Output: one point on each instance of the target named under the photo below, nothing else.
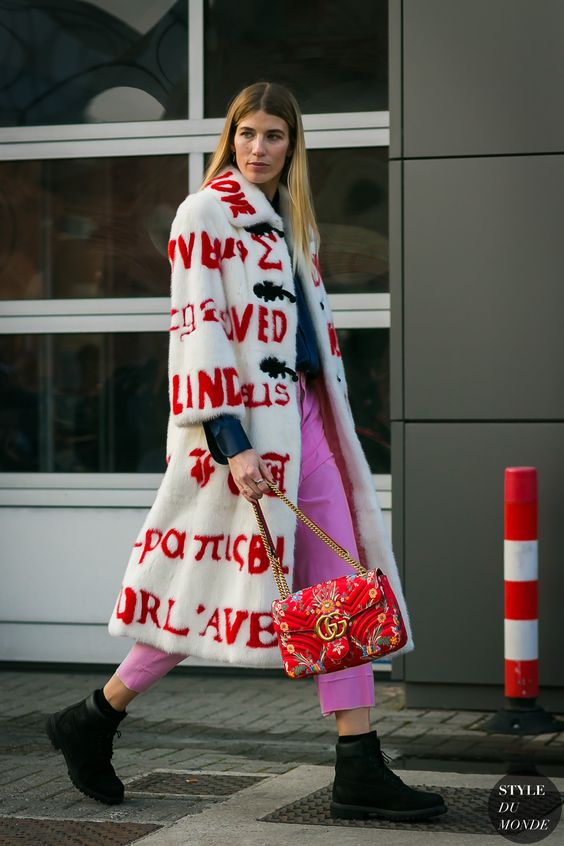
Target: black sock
(350, 738)
(104, 705)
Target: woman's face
(261, 144)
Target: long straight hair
(275, 99)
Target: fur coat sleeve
(196, 331)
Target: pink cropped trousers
(321, 496)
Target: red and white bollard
(521, 715)
(520, 572)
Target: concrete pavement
(195, 725)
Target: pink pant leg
(144, 665)
(321, 497)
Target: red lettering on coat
(279, 325)
(171, 249)
(283, 393)
(317, 271)
(209, 311)
(257, 629)
(213, 623)
(176, 405)
(232, 392)
(126, 613)
(333, 340)
(186, 251)
(180, 540)
(258, 558)
(211, 388)
(211, 251)
(236, 554)
(264, 263)
(203, 466)
(235, 198)
(228, 251)
(147, 609)
(168, 627)
(243, 251)
(205, 540)
(241, 328)
(147, 547)
(277, 466)
(232, 629)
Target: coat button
(338, 378)
(322, 305)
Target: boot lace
(381, 760)
(102, 747)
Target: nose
(258, 144)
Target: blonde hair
(275, 99)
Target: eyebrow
(272, 129)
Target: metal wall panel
(395, 79)
(453, 553)
(483, 292)
(482, 77)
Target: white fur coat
(198, 580)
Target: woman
(257, 391)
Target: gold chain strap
(275, 563)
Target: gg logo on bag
(329, 629)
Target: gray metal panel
(395, 177)
(483, 77)
(395, 77)
(398, 522)
(483, 288)
(453, 553)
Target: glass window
(88, 227)
(101, 61)
(332, 55)
(84, 403)
(350, 193)
(99, 402)
(366, 358)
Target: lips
(257, 164)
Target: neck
(269, 189)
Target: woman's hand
(247, 466)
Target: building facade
(435, 137)
(476, 220)
(109, 113)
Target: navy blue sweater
(225, 434)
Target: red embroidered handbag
(336, 624)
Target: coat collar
(244, 203)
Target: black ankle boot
(84, 733)
(365, 785)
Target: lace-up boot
(364, 785)
(84, 733)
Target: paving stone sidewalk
(219, 723)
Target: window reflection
(83, 403)
(19, 403)
(86, 403)
(105, 60)
(350, 192)
(366, 358)
(88, 227)
(332, 55)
